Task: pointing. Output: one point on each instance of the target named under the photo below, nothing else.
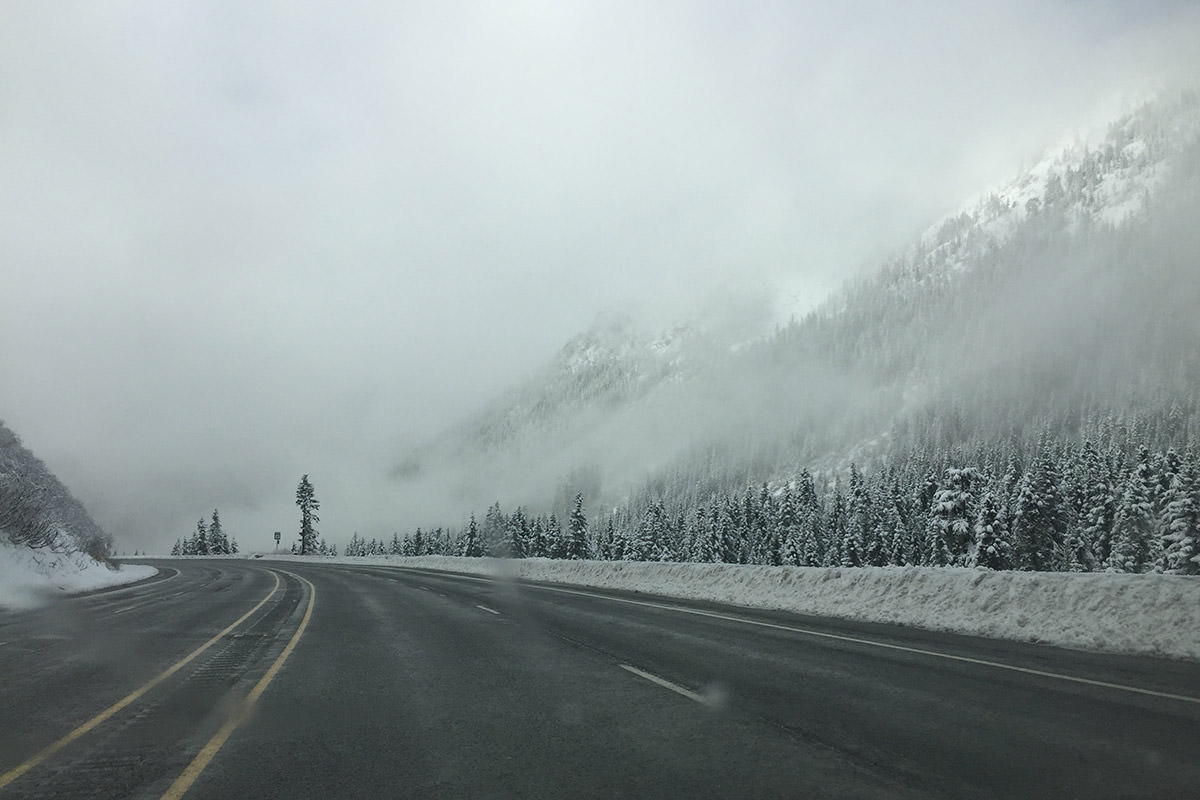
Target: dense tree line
(208, 539)
(1104, 504)
(1096, 505)
(324, 548)
(504, 535)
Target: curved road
(257, 678)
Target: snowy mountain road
(377, 681)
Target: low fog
(240, 242)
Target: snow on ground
(28, 577)
(1144, 614)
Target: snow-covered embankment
(29, 576)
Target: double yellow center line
(189, 775)
(206, 754)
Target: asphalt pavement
(237, 678)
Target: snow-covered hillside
(37, 509)
(611, 379)
(982, 325)
(1106, 182)
(48, 543)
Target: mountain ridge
(857, 365)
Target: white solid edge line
(663, 682)
(489, 610)
(888, 646)
(843, 638)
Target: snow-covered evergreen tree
(1097, 503)
(577, 531)
(992, 548)
(1134, 527)
(951, 518)
(556, 542)
(606, 540)
(709, 546)
(493, 532)
(306, 500)
(643, 546)
(859, 522)
(537, 539)
(517, 534)
(218, 544)
(835, 531)
(1040, 516)
(892, 527)
(1181, 522)
(471, 546)
(200, 539)
(791, 552)
(808, 511)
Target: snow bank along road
(272, 679)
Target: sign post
(277, 536)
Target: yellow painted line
(209, 751)
(50, 750)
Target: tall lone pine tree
(306, 499)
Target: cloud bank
(244, 241)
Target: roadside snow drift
(28, 576)
(1144, 614)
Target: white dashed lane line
(921, 651)
(663, 682)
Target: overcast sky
(244, 240)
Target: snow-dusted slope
(610, 364)
(48, 542)
(953, 308)
(1107, 183)
(607, 381)
(37, 509)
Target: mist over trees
(1105, 504)
(37, 510)
(1018, 390)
